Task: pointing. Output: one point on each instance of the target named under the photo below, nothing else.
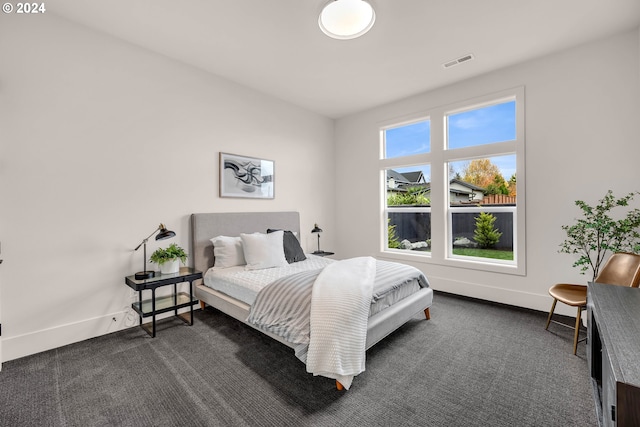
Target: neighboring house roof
(397, 177)
(415, 177)
(406, 179)
(403, 181)
(466, 184)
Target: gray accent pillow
(292, 250)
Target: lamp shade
(164, 233)
(346, 19)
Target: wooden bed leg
(339, 386)
(202, 305)
(427, 313)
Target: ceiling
(276, 46)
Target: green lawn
(484, 253)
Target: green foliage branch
(413, 196)
(596, 233)
(498, 186)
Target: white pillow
(228, 252)
(263, 250)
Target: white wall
(100, 142)
(582, 127)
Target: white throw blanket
(341, 300)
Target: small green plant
(393, 241)
(173, 252)
(485, 235)
(596, 233)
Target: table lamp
(163, 234)
(317, 230)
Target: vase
(170, 267)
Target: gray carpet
(472, 364)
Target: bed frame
(205, 226)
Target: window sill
(467, 263)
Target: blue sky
(495, 123)
(408, 140)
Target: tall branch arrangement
(596, 233)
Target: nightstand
(322, 253)
(154, 306)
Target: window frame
(438, 158)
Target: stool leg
(575, 338)
(553, 307)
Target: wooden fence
(416, 226)
(498, 199)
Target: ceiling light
(346, 19)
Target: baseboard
(497, 294)
(15, 347)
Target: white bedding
(244, 285)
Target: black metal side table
(154, 306)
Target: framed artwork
(246, 177)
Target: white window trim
(438, 157)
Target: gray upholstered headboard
(205, 226)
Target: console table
(154, 306)
(613, 352)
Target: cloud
(477, 119)
(467, 123)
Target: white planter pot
(170, 267)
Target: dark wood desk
(154, 306)
(613, 352)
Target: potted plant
(597, 233)
(169, 259)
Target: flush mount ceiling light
(346, 19)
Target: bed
(391, 313)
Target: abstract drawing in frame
(242, 176)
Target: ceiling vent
(465, 58)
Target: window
(408, 207)
(406, 188)
(450, 193)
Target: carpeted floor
(472, 364)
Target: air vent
(465, 58)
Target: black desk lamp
(164, 234)
(317, 230)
